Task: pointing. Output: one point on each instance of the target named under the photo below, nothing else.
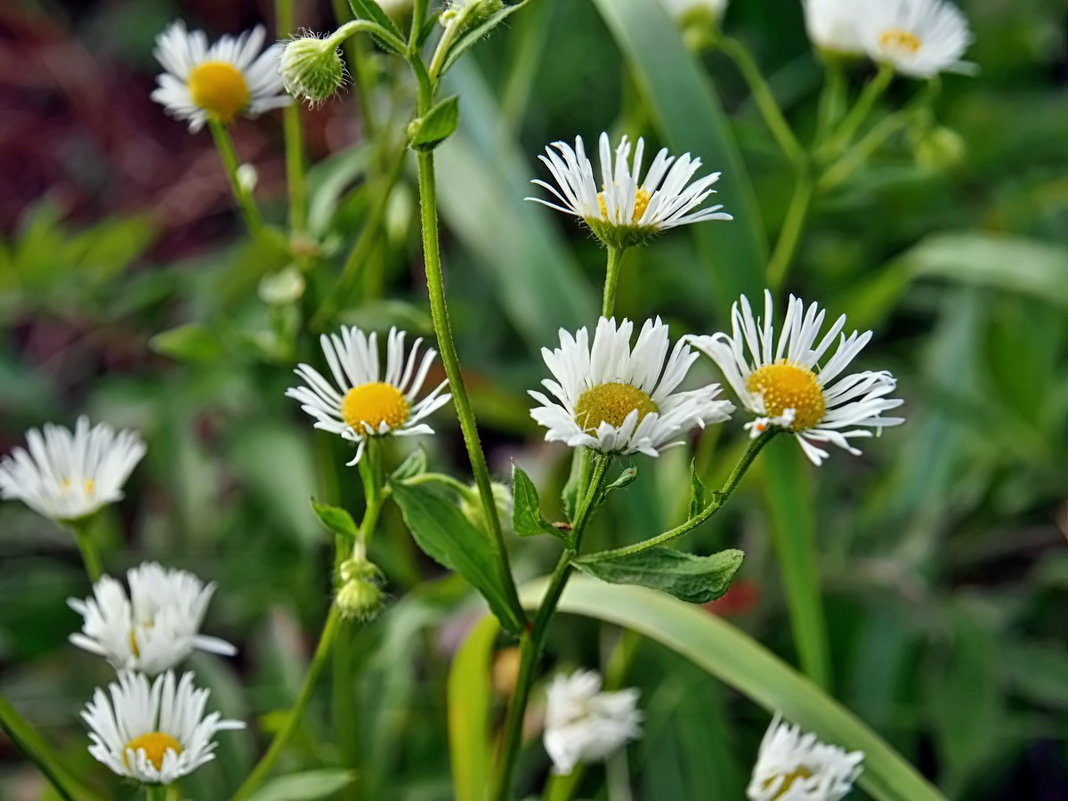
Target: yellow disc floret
(785, 385)
(155, 744)
(374, 404)
(900, 40)
(611, 403)
(800, 772)
(641, 203)
(219, 88)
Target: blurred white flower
(583, 724)
(793, 766)
(835, 24)
(220, 81)
(66, 475)
(627, 209)
(615, 399)
(154, 627)
(153, 733)
(366, 404)
(918, 38)
(785, 386)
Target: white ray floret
(834, 25)
(363, 402)
(626, 206)
(66, 475)
(919, 38)
(783, 383)
(234, 76)
(583, 724)
(152, 628)
(794, 766)
(154, 733)
(615, 399)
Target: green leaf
(305, 786)
(194, 342)
(336, 519)
(695, 579)
(442, 531)
(697, 491)
(370, 10)
(471, 37)
(569, 495)
(469, 693)
(624, 479)
(427, 132)
(412, 465)
(743, 663)
(527, 519)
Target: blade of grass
(469, 694)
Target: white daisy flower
(154, 627)
(366, 404)
(153, 733)
(785, 386)
(835, 24)
(919, 38)
(583, 724)
(66, 475)
(793, 766)
(627, 209)
(613, 399)
(219, 81)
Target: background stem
(225, 145)
(294, 133)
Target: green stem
(83, 535)
(832, 99)
(452, 30)
(225, 145)
(155, 792)
(792, 227)
(293, 133)
(530, 646)
(611, 280)
(765, 100)
(296, 714)
(871, 93)
(714, 505)
(853, 158)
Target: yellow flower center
(155, 744)
(785, 385)
(641, 203)
(898, 39)
(219, 88)
(374, 404)
(611, 403)
(800, 772)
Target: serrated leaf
(336, 519)
(305, 786)
(527, 519)
(370, 10)
(194, 342)
(695, 579)
(697, 491)
(471, 37)
(446, 536)
(412, 465)
(437, 125)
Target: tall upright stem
(793, 226)
(225, 145)
(294, 133)
(611, 280)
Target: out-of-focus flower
(220, 81)
(793, 766)
(583, 724)
(784, 385)
(918, 38)
(834, 25)
(66, 475)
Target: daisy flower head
(794, 766)
(918, 38)
(616, 399)
(67, 475)
(363, 402)
(785, 385)
(834, 25)
(154, 733)
(221, 81)
(583, 724)
(627, 209)
(154, 626)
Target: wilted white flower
(153, 628)
(66, 475)
(627, 209)
(785, 386)
(835, 24)
(919, 38)
(615, 399)
(220, 81)
(583, 724)
(153, 733)
(793, 766)
(366, 404)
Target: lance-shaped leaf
(698, 494)
(413, 465)
(336, 519)
(527, 519)
(371, 11)
(696, 579)
(437, 125)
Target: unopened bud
(471, 12)
(247, 178)
(939, 148)
(471, 506)
(360, 595)
(311, 68)
(283, 287)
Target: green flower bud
(939, 148)
(359, 597)
(283, 287)
(311, 68)
(471, 506)
(470, 12)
